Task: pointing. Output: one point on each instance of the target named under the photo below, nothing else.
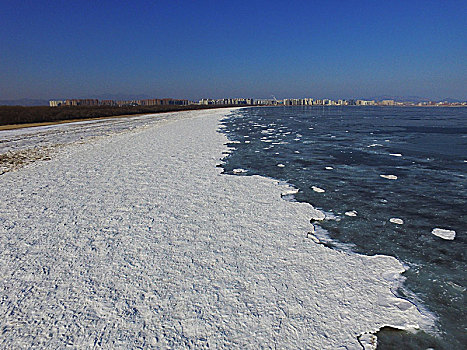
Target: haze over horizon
(217, 49)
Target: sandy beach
(133, 238)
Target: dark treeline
(21, 115)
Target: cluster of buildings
(321, 102)
(286, 102)
(246, 102)
(96, 102)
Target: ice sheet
(138, 240)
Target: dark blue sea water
(344, 151)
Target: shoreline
(220, 260)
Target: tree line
(38, 114)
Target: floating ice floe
(280, 165)
(239, 171)
(351, 213)
(396, 221)
(234, 141)
(247, 141)
(444, 233)
(317, 189)
(375, 145)
(395, 154)
(298, 152)
(329, 168)
(390, 177)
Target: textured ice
(444, 233)
(137, 240)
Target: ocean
(386, 179)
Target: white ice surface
(396, 221)
(317, 189)
(138, 240)
(444, 233)
(351, 213)
(389, 177)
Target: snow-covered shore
(137, 239)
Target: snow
(444, 233)
(137, 239)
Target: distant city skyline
(207, 49)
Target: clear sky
(193, 49)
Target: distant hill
(24, 102)
(412, 99)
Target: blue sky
(194, 49)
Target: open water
(344, 151)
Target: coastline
(159, 237)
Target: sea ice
(289, 192)
(444, 233)
(390, 177)
(395, 154)
(160, 249)
(317, 189)
(351, 213)
(329, 168)
(239, 171)
(396, 221)
(280, 165)
(375, 145)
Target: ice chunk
(396, 221)
(375, 145)
(317, 189)
(247, 141)
(289, 192)
(444, 233)
(329, 168)
(395, 154)
(280, 165)
(390, 177)
(351, 213)
(239, 171)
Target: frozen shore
(137, 239)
